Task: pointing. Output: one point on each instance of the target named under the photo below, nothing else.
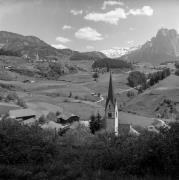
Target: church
(112, 121)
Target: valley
(52, 80)
(81, 95)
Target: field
(81, 95)
(77, 93)
(146, 103)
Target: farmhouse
(66, 118)
(112, 122)
(22, 114)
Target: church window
(109, 106)
(109, 115)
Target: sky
(87, 25)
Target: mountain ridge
(161, 48)
(30, 46)
(117, 52)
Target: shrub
(177, 65)
(96, 76)
(11, 97)
(21, 103)
(51, 117)
(76, 97)
(95, 123)
(42, 119)
(177, 72)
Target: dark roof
(19, 113)
(111, 96)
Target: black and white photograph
(89, 89)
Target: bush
(33, 153)
(177, 65)
(51, 117)
(95, 123)
(177, 72)
(11, 97)
(21, 103)
(42, 119)
(95, 76)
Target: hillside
(161, 99)
(161, 48)
(29, 46)
(94, 55)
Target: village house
(22, 114)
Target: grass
(146, 103)
(84, 111)
(6, 107)
(44, 96)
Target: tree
(21, 103)
(70, 94)
(95, 123)
(177, 72)
(130, 94)
(42, 119)
(136, 78)
(51, 117)
(177, 65)
(96, 76)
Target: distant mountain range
(117, 52)
(161, 48)
(30, 46)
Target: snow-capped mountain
(117, 51)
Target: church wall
(110, 120)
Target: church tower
(111, 110)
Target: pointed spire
(110, 92)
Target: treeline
(8, 53)
(30, 153)
(111, 63)
(48, 70)
(137, 78)
(54, 70)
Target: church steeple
(111, 96)
(111, 110)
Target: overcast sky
(87, 25)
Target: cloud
(111, 3)
(89, 47)
(62, 39)
(59, 46)
(88, 33)
(146, 10)
(111, 17)
(65, 27)
(76, 12)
